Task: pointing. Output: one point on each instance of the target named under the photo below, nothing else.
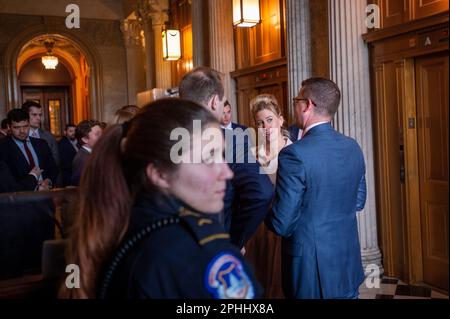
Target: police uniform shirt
(191, 259)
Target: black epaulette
(205, 230)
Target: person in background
(188, 255)
(225, 120)
(4, 130)
(68, 148)
(320, 187)
(249, 193)
(125, 113)
(34, 110)
(264, 249)
(87, 133)
(23, 153)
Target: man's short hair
(83, 128)
(69, 125)
(26, 106)
(201, 84)
(324, 93)
(17, 115)
(4, 124)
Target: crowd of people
(281, 222)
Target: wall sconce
(246, 13)
(171, 41)
(49, 61)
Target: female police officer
(145, 227)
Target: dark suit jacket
(66, 155)
(320, 186)
(248, 195)
(9, 184)
(235, 126)
(293, 132)
(51, 141)
(77, 166)
(18, 165)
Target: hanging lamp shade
(171, 41)
(246, 13)
(49, 60)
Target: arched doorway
(78, 55)
(52, 90)
(64, 91)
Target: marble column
(299, 46)
(200, 54)
(144, 11)
(135, 59)
(349, 68)
(221, 46)
(162, 68)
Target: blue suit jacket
(17, 163)
(320, 186)
(248, 195)
(66, 155)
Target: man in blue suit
(320, 186)
(23, 153)
(249, 194)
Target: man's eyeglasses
(296, 100)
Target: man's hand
(36, 172)
(45, 185)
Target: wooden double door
(56, 105)
(432, 104)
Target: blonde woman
(264, 250)
(272, 137)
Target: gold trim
(213, 237)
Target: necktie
(34, 134)
(29, 155)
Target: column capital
(131, 30)
(154, 12)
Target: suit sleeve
(362, 191)
(289, 192)
(252, 196)
(50, 167)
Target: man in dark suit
(295, 132)
(23, 153)
(68, 148)
(87, 133)
(249, 194)
(225, 120)
(9, 184)
(34, 111)
(320, 187)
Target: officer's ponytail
(105, 202)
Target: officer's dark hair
(115, 174)
(4, 124)
(83, 128)
(17, 115)
(201, 84)
(26, 106)
(324, 93)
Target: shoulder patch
(225, 278)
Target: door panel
(432, 111)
